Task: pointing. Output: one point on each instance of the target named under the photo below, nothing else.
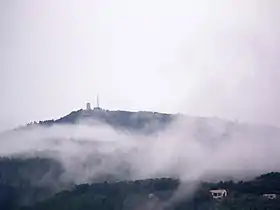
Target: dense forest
(36, 184)
(40, 182)
(143, 122)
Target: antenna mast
(97, 102)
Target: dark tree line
(34, 184)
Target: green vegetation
(35, 184)
(27, 181)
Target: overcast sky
(199, 57)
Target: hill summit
(135, 121)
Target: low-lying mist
(189, 149)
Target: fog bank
(189, 149)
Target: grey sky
(213, 58)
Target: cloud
(190, 149)
(213, 58)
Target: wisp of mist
(227, 49)
(190, 148)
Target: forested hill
(160, 194)
(145, 122)
(38, 184)
(42, 184)
(136, 121)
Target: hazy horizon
(208, 58)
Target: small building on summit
(217, 194)
(96, 108)
(270, 196)
(88, 107)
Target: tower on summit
(97, 102)
(97, 107)
(88, 107)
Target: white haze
(201, 57)
(214, 58)
(190, 149)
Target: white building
(217, 194)
(270, 196)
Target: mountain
(231, 147)
(141, 121)
(167, 194)
(203, 128)
(42, 162)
